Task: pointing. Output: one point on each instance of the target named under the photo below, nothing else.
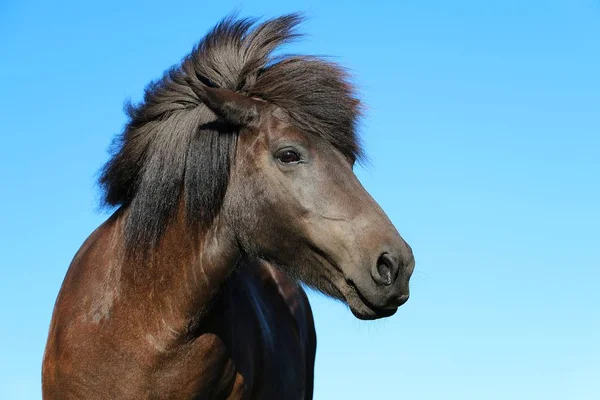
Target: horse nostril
(386, 270)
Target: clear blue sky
(483, 131)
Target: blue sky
(483, 132)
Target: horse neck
(178, 281)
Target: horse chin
(364, 312)
(362, 309)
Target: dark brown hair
(174, 146)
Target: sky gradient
(483, 135)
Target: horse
(231, 184)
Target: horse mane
(173, 148)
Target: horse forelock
(173, 149)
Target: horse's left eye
(288, 156)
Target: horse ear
(236, 109)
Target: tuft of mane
(174, 149)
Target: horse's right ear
(234, 108)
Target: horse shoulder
(80, 306)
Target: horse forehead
(281, 115)
(275, 128)
(269, 132)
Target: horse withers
(233, 180)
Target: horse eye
(288, 156)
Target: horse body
(233, 174)
(255, 339)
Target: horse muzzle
(379, 293)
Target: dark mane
(174, 149)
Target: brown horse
(233, 181)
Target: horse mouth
(363, 308)
(349, 293)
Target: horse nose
(385, 271)
(392, 265)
